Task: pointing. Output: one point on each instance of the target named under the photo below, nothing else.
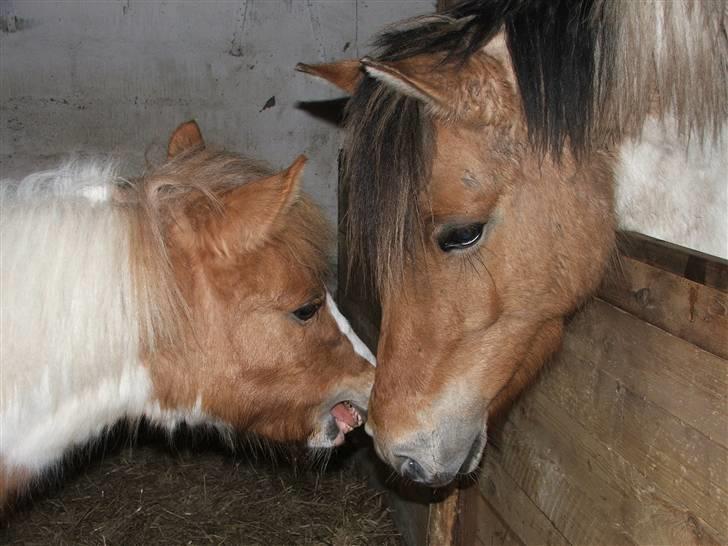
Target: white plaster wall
(118, 76)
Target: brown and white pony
(480, 161)
(193, 294)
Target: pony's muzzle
(341, 419)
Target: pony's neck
(69, 321)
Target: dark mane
(386, 163)
(586, 72)
(553, 46)
(388, 152)
(590, 71)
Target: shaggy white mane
(69, 323)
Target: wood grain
(692, 311)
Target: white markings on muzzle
(359, 347)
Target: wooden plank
(527, 521)
(689, 310)
(584, 487)
(455, 520)
(690, 264)
(677, 376)
(490, 530)
(685, 463)
(679, 461)
(547, 471)
(591, 451)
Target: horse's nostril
(411, 469)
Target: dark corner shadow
(330, 111)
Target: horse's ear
(414, 77)
(252, 213)
(345, 75)
(479, 90)
(186, 136)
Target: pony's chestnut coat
(169, 297)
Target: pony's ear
(345, 75)
(479, 90)
(186, 136)
(252, 213)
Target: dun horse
(194, 294)
(480, 161)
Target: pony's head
(261, 345)
(477, 244)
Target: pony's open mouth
(347, 417)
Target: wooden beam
(687, 309)
(675, 375)
(490, 529)
(443, 522)
(585, 489)
(683, 262)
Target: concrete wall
(119, 75)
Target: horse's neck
(69, 324)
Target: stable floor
(196, 490)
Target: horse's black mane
(388, 153)
(554, 44)
(386, 162)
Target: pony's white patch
(359, 347)
(171, 418)
(38, 427)
(70, 325)
(674, 194)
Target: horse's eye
(307, 311)
(459, 237)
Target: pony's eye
(307, 311)
(459, 237)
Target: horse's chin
(475, 454)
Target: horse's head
(479, 246)
(265, 348)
